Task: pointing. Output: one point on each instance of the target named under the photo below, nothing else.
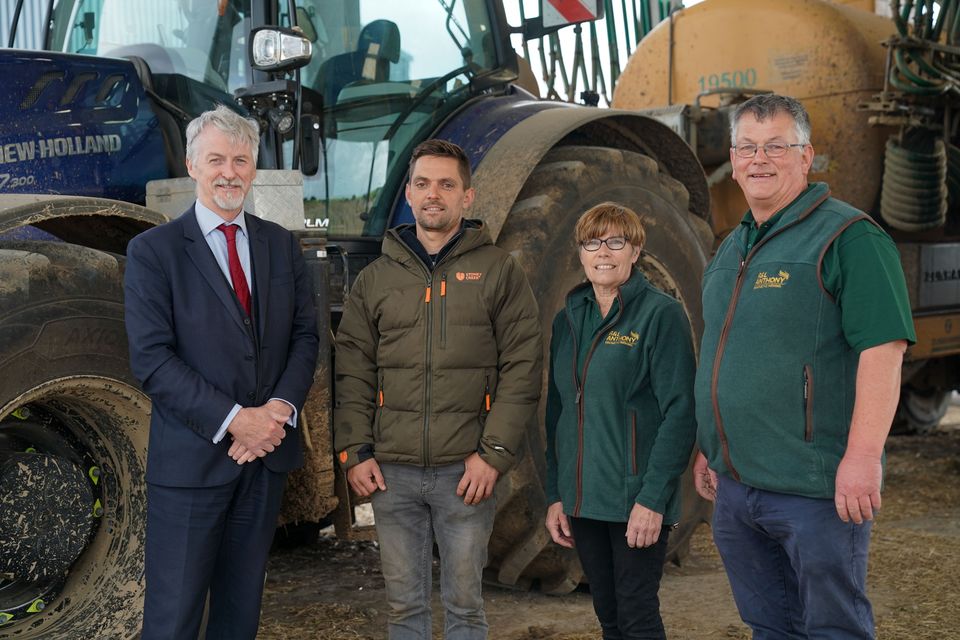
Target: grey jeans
(421, 506)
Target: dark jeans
(624, 582)
(797, 571)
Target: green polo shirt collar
(754, 233)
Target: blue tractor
(97, 95)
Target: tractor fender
(505, 167)
(98, 223)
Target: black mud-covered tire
(66, 393)
(539, 231)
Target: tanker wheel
(920, 410)
(73, 441)
(539, 231)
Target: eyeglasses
(771, 149)
(614, 244)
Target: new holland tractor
(92, 117)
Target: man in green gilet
(806, 321)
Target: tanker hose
(923, 64)
(914, 192)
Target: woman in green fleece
(620, 423)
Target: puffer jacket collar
(473, 235)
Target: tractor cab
(387, 74)
(380, 76)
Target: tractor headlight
(278, 49)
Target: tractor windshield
(386, 73)
(194, 49)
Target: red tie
(236, 271)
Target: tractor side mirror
(89, 26)
(310, 144)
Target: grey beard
(228, 204)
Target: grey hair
(239, 129)
(768, 105)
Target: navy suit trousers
(209, 538)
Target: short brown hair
(606, 216)
(444, 149)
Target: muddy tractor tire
(539, 231)
(73, 441)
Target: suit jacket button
(249, 356)
(251, 396)
(246, 321)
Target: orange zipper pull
(380, 397)
(428, 296)
(487, 400)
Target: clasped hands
(257, 431)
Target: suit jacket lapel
(260, 258)
(199, 252)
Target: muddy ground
(333, 590)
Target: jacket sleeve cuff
(658, 505)
(352, 456)
(497, 457)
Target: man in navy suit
(223, 338)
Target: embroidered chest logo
(469, 276)
(627, 340)
(771, 282)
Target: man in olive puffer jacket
(438, 373)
